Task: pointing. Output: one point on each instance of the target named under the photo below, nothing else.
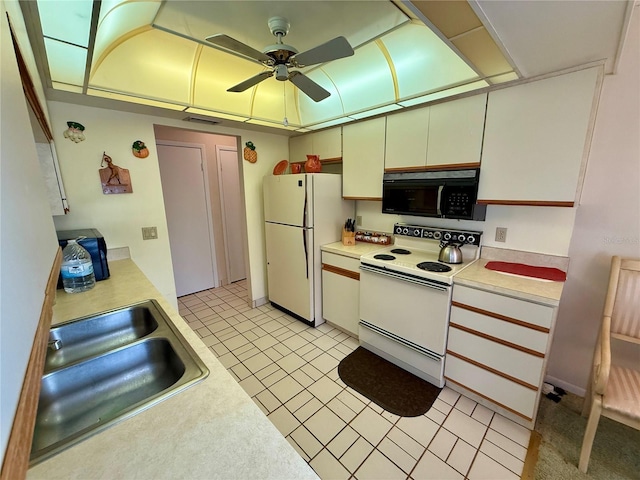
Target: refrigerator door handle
(306, 252)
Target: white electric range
(405, 297)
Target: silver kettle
(450, 253)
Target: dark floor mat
(386, 384)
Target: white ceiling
(537, 37)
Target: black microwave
(435, 193)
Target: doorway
(231, 203)
(185, 190)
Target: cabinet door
(363, 159)
(328, 143)
(406, 143)
(535, 139)
(455, 132)
(52, 178)
(299, 148)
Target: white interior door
(188, 217)
(231, 201)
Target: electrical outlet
(358, 220)
(149, 233)
(501, 234)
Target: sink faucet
(55, 344)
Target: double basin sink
(107, 367)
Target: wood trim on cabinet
(378, 199)
(515, 412)
(427, 168)
(493, 370)
(525, 203)
(500, 317)
(16, 458)
(328, 161)
(341, 271)
(515, 346)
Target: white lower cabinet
(341, 291)
(497, 350)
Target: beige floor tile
(397, 455)
(306, 348)
(465, 405)
(250, 336)
(328, 468)
(503, 458)
(379, 467)
(219, 349)
(302, 378)
(485, 468)
(312, 354)
(511, 430)
(340, 409)
(273, 378)
(421, 429)
(371, 426)
(298, 449)
(461, 456)
(506, 444)
(257, 362)
(273, 354)
(482, 414)
(442, 444)
(325, 362)
(350, 400)
(306, 441)
(245, 352)
(297, 326)
(436, 415)
(308, 409)
(291, 362)
(260, 406)
(325, 343)
(465, 427)
(282, 350)
(449, 396)
(312, 371)
(356, 454)
(405, 442)
(324, 389)
(210, 340)
(271, 326)
(298, 401)
(285, 389)
(228, 360)
(268, 400)
(252, 385)
(295, 342)
(324, 424)
(245, 326)
(431, 467)
(235, 342)
(343, 441)
(265, 342)
(268, 370)
(284, 420)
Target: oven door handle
(439, 201)
(418, 281)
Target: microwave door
(439, 201)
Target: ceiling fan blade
(308, 86)
(332, 50)
(229, 43)
(250, 82)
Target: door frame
(229, 148)
(207, 196)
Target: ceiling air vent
(202, 119)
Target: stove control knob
(461, 238)
(417, 232)
(471, 239)
(427, 234)
(437, 235)
(405, 231)
(447, 235)
(398, 230)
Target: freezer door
(286, 200)
(290, 268)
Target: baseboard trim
(528, 471)
(581, 392)
(259, 302)
(16, 458)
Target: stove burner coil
(433, 267)
(401, 251)
(384, 256)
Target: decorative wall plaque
(114, 179)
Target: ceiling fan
(280, 57)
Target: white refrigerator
(302, 212)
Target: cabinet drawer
(505, 393)
(509, 361)
(519, 310)
(495, 327)
(341, 261)
(341, 301)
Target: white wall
(27, 236)
(120, 217)
(210, 141)
(608, 219)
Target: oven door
(414, 310)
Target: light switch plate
(149, 233)
(358, 220)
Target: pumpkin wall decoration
(250, 154)
(139, 149)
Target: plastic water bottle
(77, 268)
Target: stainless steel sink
(107, 377)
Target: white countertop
(353, 251)
(540, 291)
(210, 430)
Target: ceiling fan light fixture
(281, 72)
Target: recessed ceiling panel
(66, 62)
(153, 64)
(270, 100)
(315, 112)
(422, 62)
(66, 21)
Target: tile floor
(290, 372)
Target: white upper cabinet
(536, 140)
(406, 143)
(455, 132)
(52, 178)
(327, 144)
(363, 146)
